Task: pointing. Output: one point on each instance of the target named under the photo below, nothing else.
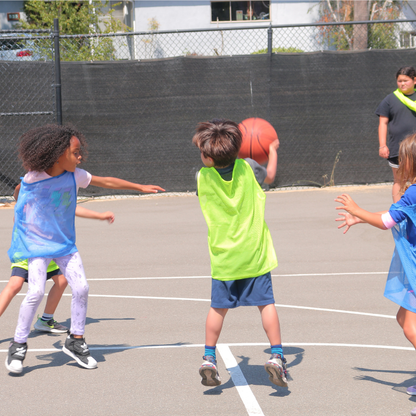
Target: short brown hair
(218, 139)
(407, 162)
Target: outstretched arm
(94, 215)
(272, 163)
(372, 218)
(116, 183)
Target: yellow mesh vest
(240, 244)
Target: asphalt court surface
(149, 277)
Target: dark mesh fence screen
(139, 117)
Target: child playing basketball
(44, 230)
(19, 275)
(240, 244)
(397, 115)
(401, 218)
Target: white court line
(240, 382)
(236, 344)
(209, 300)
(209, 277)
(336, 311)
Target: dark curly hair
(41, 147)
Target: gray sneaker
(77, 348)
(50, 326)
(276, 368)
(209, 373)
(15, 357)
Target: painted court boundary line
(311, 308)
(240, 382)
(233, 344)
(110, 279)
(246, 395)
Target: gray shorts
(18, 271)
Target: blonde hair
(407, 162)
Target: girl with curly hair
(44, 230)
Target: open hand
(349, 221)
(348, 203)
(151, 189)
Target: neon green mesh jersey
(240, 244)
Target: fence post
(58, 94)
(269, 40)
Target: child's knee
(15, 286)
(60, 281)
(81, 291)
(400, 319)
(36, 296)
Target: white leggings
(73, 270)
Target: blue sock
(277, 349)
(46, 317)
(210, 351)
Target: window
(407, 39)
(236, 11)
(13, 17)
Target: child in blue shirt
(401, 219)
(240, 245)
(44, 230)
(20, 274)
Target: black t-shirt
(402, 120)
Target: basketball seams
(257, 134)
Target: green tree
(345, 37)
(75, 18)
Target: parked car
(16, 47)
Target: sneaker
(15, 357)
(50, 326)
(276, 368)
(413, 412)
(77, 348)
(411, 390)
(208, 372)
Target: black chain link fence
(138, 97)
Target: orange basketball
(257, 136)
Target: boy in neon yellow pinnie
(240, 244)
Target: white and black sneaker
(77, 348)
(15, 357)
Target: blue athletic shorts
(18, 271)
(254, 291)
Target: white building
(161, 16)
(192, 14)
